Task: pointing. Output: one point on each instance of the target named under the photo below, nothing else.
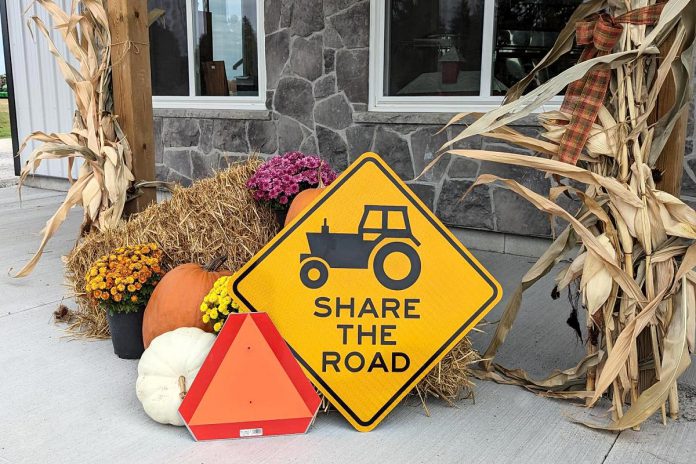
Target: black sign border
(428, 214)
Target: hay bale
(449, 380)
(215, 216)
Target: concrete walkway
(7, 174)
(73, 401)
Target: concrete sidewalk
(73, 401)
(7, 174)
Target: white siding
(42, 98)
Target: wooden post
(132, 87)
(671, 165)
(671, 160)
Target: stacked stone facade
(317, 80)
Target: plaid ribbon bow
(599, 34)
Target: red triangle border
(210, 367)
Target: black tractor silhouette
(353, 251)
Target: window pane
(226, 48)
(525, 31)
(433, 47)
(168, 48)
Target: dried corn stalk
(632, 246)
(96, 137)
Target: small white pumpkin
(166, 371)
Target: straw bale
(216, 216)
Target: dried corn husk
(633, 268)
(96, 138)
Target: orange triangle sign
(249, 385)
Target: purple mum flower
(281, 178)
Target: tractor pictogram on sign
(369, 290)
(353, 251)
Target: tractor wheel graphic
(314, 273)
(381, 257)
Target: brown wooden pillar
(671, 160)
(132, 88)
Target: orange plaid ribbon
(599, 34)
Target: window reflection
(226, 42)
(225, 60)
(433, 47)
(525, 31)
(169, 48)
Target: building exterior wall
(317, 73)
(43, 101)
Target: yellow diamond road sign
(369, 289)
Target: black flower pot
(281, 214)
(126, 334)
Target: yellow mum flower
(216, 304)
(120, 270)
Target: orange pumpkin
(177, 299)
(301, 201)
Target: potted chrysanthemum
(121, 284)
(277, 181)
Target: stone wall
(317, 72)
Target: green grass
(4, 119)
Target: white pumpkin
(166, 371)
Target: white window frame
(232, 102)
(379, 102)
